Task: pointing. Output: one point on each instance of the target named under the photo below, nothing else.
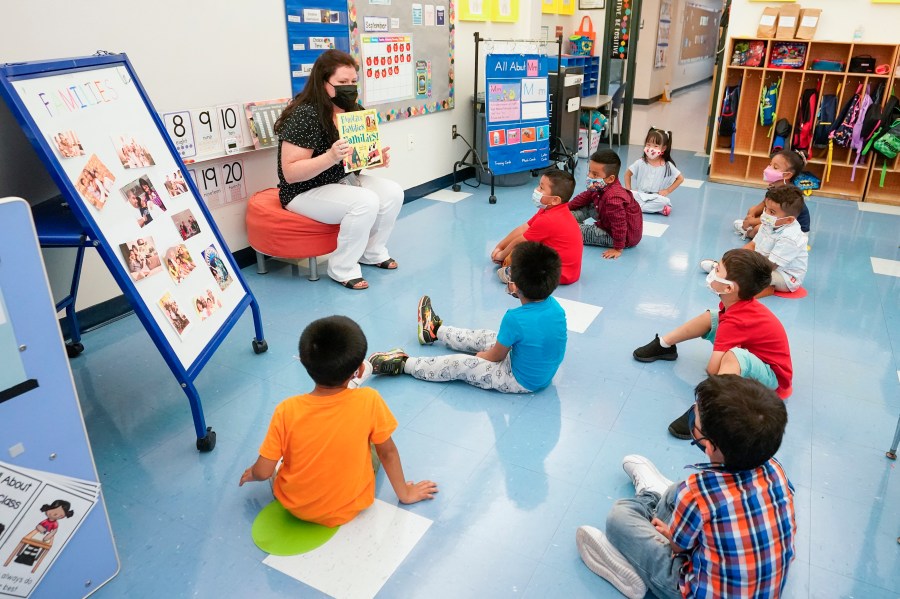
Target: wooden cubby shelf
(753, 141)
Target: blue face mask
(692, 425)
(595, 183)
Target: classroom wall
(840, 18)
(203, 53)
(649, 81)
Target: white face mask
(768, 220)
(652, 153)
(595, 183)
(536, 197)
(713, 277)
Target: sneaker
(604, 560)
(645, 475)
(739, 227)
(389, 362)
(429, 322)
(681, 426)
(667, 210)
(357, 382)
(707, 265)
(653, 351)
(503, 274)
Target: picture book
(360, 129)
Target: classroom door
(619, 53)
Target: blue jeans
(649, 553)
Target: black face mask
(345, 96)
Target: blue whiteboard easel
(41, 424)
(106, 148)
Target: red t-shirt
(752, 326)
(556, 227)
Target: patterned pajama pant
(463, 367)
(591, 234)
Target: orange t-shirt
(327, 474)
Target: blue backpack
(767, 104)
(728, 114)
(825, 120)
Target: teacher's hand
(339, 150)
(385, 156)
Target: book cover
(360, 129)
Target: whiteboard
(102, 137)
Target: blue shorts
(751, 366)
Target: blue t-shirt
(536, 335)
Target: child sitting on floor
(521, 358)
(782, 170)
(727, 530)
(553, 225)
(780, 240)
(618, 221)
(654, 174)
(324, 436)
(747, 338)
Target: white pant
(464, 367)
(366, 207)
(651, 202)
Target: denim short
(751, 366)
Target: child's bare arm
(407, 491)
(494, 354)
(263, 469)
(628, 179)
(507, 244)
(663, 529)
(668, 190)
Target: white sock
(663, 343)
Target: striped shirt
(738, 529)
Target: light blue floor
(518, 474)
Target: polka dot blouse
(304, 130)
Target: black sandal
(352, 283)
(389, 264)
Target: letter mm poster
(517, 111)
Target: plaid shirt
(619, 213)
(738, 529)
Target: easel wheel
(73, 350)
(260, 346)
(492, 199)
(207, 443)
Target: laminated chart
(387, 61)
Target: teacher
(311, 176)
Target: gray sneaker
(644, 475)
(604, 560)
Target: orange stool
(279, 233)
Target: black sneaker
(653, 351)
(388, 362)
(429, 322)
(681, 427)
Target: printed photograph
(179, 263)
(217, 267)
(132, 154)
(497, 137)
(186, 224)
(512, 136)
(142, 196)
(528, 135)
(206, 303)
(543, 132)
(175, 184)
(174, 314)
(95, 182)
(141, 258)
(68, 144)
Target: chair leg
(261, 268)
(313, 269)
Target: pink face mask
(770, 175)
(652, 153)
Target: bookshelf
(753, 141)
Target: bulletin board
(405, 50)
(313, 27)
(700, 32)
(661, 59)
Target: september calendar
(388, 68)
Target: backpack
(807, 182)
(886, 115)
(857, 141)
(767, 103)
(806, 113)
(783, 131)
(825, 121)
(888, 145)
(842, 133)
(728, 115)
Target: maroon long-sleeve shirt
(619, 213)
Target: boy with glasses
(728, 529)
